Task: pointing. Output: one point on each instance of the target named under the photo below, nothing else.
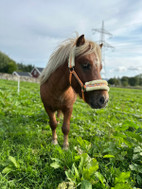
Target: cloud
(133, 68)
(121, 69)
(31, 30)
(124, 69)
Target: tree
(140, 81)
(11, 67)
(7, 65)
(24, 68)
(113, 81)
(124, 81)
(133, 81)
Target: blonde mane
(59, 56)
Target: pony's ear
(101, 45)
(80, 41)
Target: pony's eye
(86, 66)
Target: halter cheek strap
(88, 86)
(72, 72)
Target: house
(26, 74)
(36, 72)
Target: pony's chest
(62, 101)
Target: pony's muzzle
(98, 99)
(102, 101)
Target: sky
(30, 30)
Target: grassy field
(105, 145)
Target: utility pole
(106, 45)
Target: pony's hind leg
(66, 127)
(59, 113)
(53, 125)
(59, 116)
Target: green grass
(105, 145)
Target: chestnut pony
(74, 68)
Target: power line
(103, 32)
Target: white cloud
(30, 30)
(121, 69)
(133, 68)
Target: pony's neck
(60, 79)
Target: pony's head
(85, 66)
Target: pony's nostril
(101, 100)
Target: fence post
(18, 85)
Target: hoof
(65, 146)
(55, 142)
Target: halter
(88, 86)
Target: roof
(39, 70)
(27, 74)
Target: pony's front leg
(53, 125)
(66, 127)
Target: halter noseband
(88, 86)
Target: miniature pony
(74, 68)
